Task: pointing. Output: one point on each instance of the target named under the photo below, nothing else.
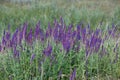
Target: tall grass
(34, 65)
(47, 11)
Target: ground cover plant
(60, 40)
(59, 52)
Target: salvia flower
(56, 33)
(42, 35)
(3, 41)
(48, 31)
(8, 35)
(73, 75)
(0, 48)
(47, 51)
(83, 34)
(30, 37)
(78, 36)
(14, 40)
(20, 37)
(66, 45)
(37, 31)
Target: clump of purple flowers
(69, 37)
(72, 38)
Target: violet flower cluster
(70, 37)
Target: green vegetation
(101, 15)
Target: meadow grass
(98, 14)
(92, 12)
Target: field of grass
(60, 40)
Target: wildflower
(73, 75)
(61, 35)
(83, 34)
(29, 37)
(20, 36)
(78, 36)
(47, 51)
(66, 45)
(7, 38)
(93, 41)
(37, 31)
(56, 33)
(49, 31)
(42, 35)
(98, 44)
(7, 35)
(3, 41)
(97, 32)
(79, 28)
(74, 34)
(0, 48)
(14, 38)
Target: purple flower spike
(78, 28)
(78, 36)
(32, 57)
(73, 75)
(8, 35)
(20, 37)
(37, 31)
(74, 34)
(83, 34)
(56, 33)
(42, 35)
(48, 31)
(66, 45)
(30, 37)
(14, 40)
(0, 48)
(97, 32)
(16, 53)
(47, 51)
(3, 41)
